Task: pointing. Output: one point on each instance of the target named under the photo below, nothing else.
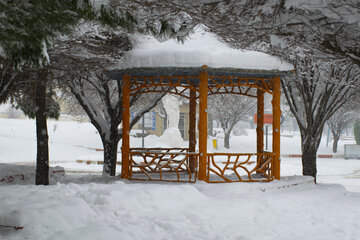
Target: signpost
(268, 119)
(143, 132)
(148, 122)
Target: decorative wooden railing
(240, 167)
(163, 164)
(174, 165)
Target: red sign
(268, 118)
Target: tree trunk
(309, 152)
(110, 154)
(42, 158)
(227, 139)
(335, 143)
(210, 125)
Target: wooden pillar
(192, 128)
(203, 91)
(125, 148)
(260, 124)
(276, 126)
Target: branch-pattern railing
(179, 85)
(237, 85)
(240, 167)
(163, 164)
(173, 165)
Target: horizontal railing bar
(165, 153)
(160, 148)
(165, 180)
(238, 154)
(244, 180)
(165, 77)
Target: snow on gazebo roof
(149, 57)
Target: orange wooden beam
(203, 90)
(125, 148)
(192, 129)
(260, 124)
(276, 126)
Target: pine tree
(27, 29)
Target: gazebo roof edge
(117, 74)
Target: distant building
(155, 123)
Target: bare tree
(230, 109)
(79, 63)
(314, 94)
(341, 119)
(101, 99)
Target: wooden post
(125, 148)
(203, 91)
(276, 126)
(260, 125)
(192, 128)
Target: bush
(357, 132)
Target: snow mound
(12, 217)
(124, 210)
(172, 138)
(202, 48)
(11, 173)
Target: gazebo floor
(185, 177)
(164, 176)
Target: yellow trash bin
(215, 145)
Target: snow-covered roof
(202, 48)
(151, 57)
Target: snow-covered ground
(71, 141)
(92, 207)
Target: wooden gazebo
(188, 164)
